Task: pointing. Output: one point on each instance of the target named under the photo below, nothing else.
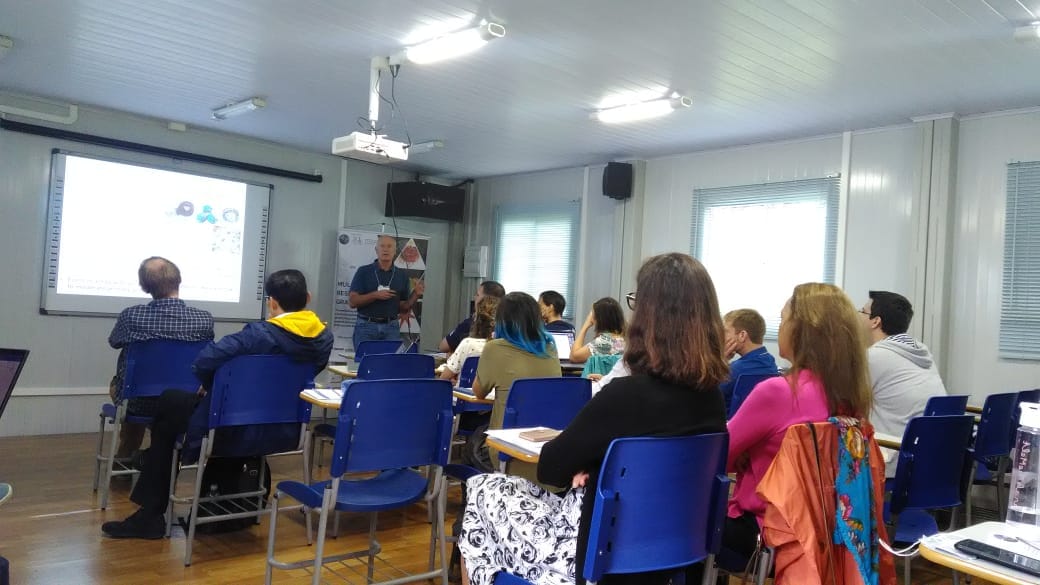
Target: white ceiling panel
(757, 70)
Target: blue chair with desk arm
(152, 367)
(949, 405)
(641, 525)
(388, 366)
(992, 448)
(468, 373)
(380, 346)
(253, 409)
(544, 402)
(420, 411)
(935, 461)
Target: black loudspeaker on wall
(617, 180)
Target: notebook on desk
(11, 363)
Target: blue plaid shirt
(159, 319)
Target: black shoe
(137, 525)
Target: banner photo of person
(357, 249)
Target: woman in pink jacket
(820, 336)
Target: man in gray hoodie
(902, 372)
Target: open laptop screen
(563, 344)
(11, 362)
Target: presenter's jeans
(368, 331)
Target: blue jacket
(757, 362)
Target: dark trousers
(173, 413)
(739, 539)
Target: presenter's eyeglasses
(630, 298)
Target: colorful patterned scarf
(855, 526)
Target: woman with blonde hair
(820, 336)
(479, 334)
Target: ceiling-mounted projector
(376, 148)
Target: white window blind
(536, 249)
(1020, 307)
(759, 241)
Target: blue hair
(511, 333)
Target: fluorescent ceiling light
(238, 108)
(451, 45)
(1029, 32)
(641, 110)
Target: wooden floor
(50, 530)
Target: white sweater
(903, 377)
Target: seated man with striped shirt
(165, 317)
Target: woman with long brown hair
(820, 336)
(675, 347)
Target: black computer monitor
(11, 363)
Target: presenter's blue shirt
(369, 278)
(757, 362)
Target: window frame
(1019, 337)
(571, 210)
(826, 189)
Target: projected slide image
(115, 215)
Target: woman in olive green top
(522, 348)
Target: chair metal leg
(173, 490)
(967, 499)
(97, 456)
(323, 521)
(260, 497)
(765, 564)
(269, 569)
(439, 521)
(372, 544)
(192, 519)
(906, 570)
(112, 444)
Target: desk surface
(940, 550)
(509, 442)
(343, 370)
(890, 441)
(323, 397)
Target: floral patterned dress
(513, 525)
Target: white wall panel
(986, 145)
(880, 228)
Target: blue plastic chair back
(742, 387)
(934, 461)
(377, 346)
(660, 504)
(160, 364)
(468, 373)
(258, 390)
(946, 405)
(545, 402)
(995, 426)
(395, 366)
(391, 424)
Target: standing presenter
(380, 293)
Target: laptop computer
(11, 363)
(563, 341)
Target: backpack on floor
(232, 475)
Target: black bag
(232, 475)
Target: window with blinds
(759, 241)
(1020, 306)
(536, 249)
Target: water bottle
(1023, 503)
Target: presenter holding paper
(379, 292)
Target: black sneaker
(137, 525)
